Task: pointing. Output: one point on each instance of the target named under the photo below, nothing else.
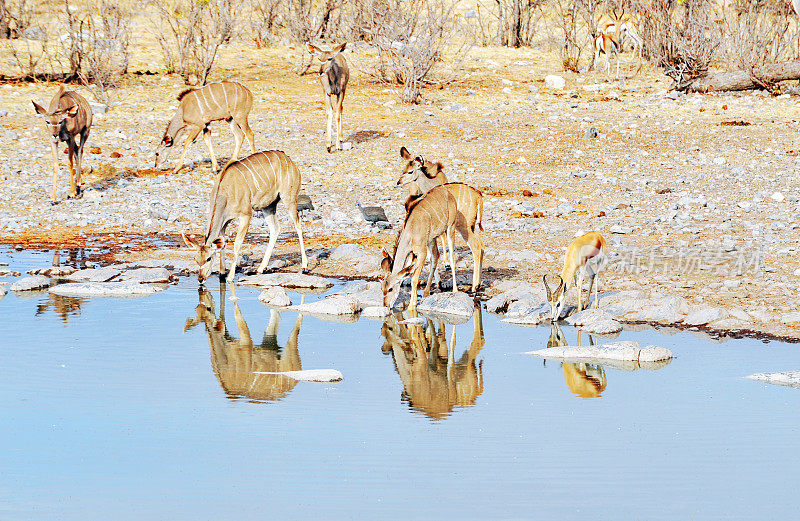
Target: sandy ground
(697, 196)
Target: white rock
(287, 280)
(2, 291)
(31, 283)
(595, 321)
(413, 321)
(4, 272)
(146, 275)
(375, 312)
(669, 310)
(519, 290)
(54, 271)
(777, 197)
(347, 145)
(619, 229)
(448, 303)
(702, 317)
(333, 305)
(106, 289)
(94, 275)
(310, 375)
(555, 82)
(275, 296)
(787, 378)
(623, 351)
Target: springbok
(585, 257)
(421, 176)
(435, 382)
(584, 380)
(428, 217)
(623, 25)
(228, 100)
(333, 75)
(237, 362)
(608, 41)
(68, 116)
(257, 182)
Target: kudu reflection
(235, 360)
(584, 380)
(434, 382)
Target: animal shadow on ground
(362, 136)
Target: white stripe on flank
(245, 180)
(262, 166)
(227, 105)
(274, 174)
(252, 173)
(211, 92)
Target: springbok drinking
(333, 75)
(68, 116)
(585, 257)
(421, 176)
(257, 182)
(429, 216)
(225, 100)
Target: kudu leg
(476, 247)
(589, 295)
(329, 111)
(339, 108)
(189, 140)
(73, 191)
(238, 137)
(296, 220)
(81, 147)
(274, 231)
(54, 148)
(433, 249)
(248, 132)
(244, 223)
(420, 263)
(210, 145)
(450, 239)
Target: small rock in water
(106, 289)
(31, 283)
(275, 296)
(449, 303)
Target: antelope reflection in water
(584, 380)
(434, 382)
(64, 307)
(235, 360)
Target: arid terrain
(697, 195)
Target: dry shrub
(577, 22)
(265, 21)
(15, 17)
(30, 39)
(511, 23)
(191, 32)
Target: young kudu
(333, 74)
(428, 217)
(226, 100)
(585, 257)
(421, 176)
(68, 116)
(257, 182)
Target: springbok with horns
(585, 257)
(257, 182)
(333, 75)
(429, 216)
(421, 176)
(622, 25)
(68, 116)
(225, 100)
(608, 42)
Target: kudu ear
(72, 111)
(386, 264)
(340, 48)
(404, 153)
(189, 242)
(313, 48)
(219, 243)
(405, 271)
(39, 109)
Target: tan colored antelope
(608, 41)
(236, 360)
(585, 257)
(623, 25)
(225, 100)
(428, 217)
(257, 182)
(333, 75)
(584, 380)
(421, 176)
(68, 116)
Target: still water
(148, 409)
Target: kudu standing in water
(333, 75)
(421, 176)
(234, 361)
(427, 217)
(68, 116)
(584, 380)
(434, 382)
(257, 182)
(225, 100)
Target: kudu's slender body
(257, 182)
(428, 217)
(586, 256)
(225, 100)
(421, 176)
(68, 117)
(333, 75)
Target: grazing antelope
(585, 257)
(257, 182)
(228, 100)
(428, 217)
(421, 176)
(608, 41)
(434, 381)
(622, 24)
(68, 116)
(333, 75)
(235, 361)
(584, 380)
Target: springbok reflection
(584, 380)
(63, 307)
(235, 360)
(434, 381)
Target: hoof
(53, 203)
(305, 271)
(330, 149)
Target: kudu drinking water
(68, 116)
(225, 100)
(257, 182)
(428, 217)
(421, 176)
(333, 74)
